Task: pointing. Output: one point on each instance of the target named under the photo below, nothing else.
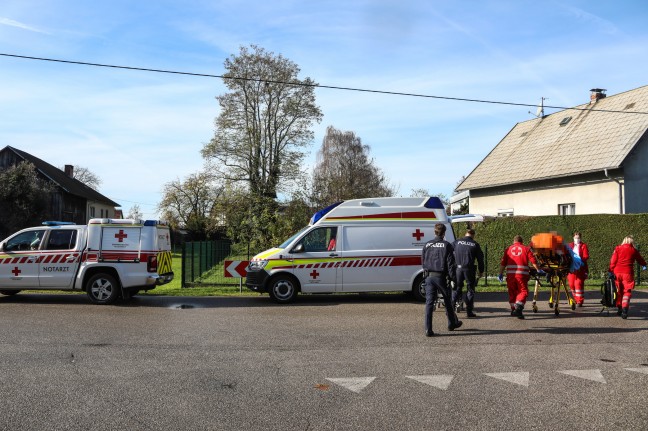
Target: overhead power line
(306, 84)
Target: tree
(86, 176)
(188, 204)
(264, 123)
(24, 198)
(345, 170)
(135, 213)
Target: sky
(139, 130)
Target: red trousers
(624, 283)
(517, 289)
(577, 287)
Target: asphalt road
(324, 363)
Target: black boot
(518, 311)
(470, 314)
(624, 313)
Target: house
(71, 200)
(590, 159)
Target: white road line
(638, 370)
(594, 375)
(355, 384)
(520, 378)
(439, 381)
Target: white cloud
(12, 23)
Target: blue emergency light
(57, 223)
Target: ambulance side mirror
(299, 248)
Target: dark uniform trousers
(467, 275)
(435, 284)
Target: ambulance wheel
(9, 292)
(283, 288)
(418, 289)
(102, 288)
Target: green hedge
(601, 232)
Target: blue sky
(139, 130)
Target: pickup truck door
(19, 260)
(59, 258)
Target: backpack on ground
(608, 291)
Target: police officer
(439, 263)
(466, 250)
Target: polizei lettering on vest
(436, 245)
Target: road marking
(638, 370)
(438, 381)
(355, 384)
(521, 378)
(594, 375)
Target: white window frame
(567, 209)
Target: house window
(508, 212)
(566, 209)
(92, 212)
(101, 210)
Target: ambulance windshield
(292, 238)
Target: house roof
(60, 178)
(542, 148)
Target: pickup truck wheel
(418, 289)
(283, 288)
(9, 292)
(102, 288)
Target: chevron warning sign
(235, 268)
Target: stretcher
(554, 259)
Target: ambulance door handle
(333, 255)
(71, 258)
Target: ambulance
(108, 258)
(360, 245)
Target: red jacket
(583, 252)
(516, 260)
(623, 259)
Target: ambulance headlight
(257, 265)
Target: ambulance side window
(25, 241)
(62, 240)
(321, 239)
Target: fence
(202, 263)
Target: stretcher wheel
(573, 306)
(535, 308)
(556, 311)
(551, 305)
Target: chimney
(69, 171)
(597, 94)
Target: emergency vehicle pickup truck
(108, 258)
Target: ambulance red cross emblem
(516, 251)
(418, 234)
(314, 274)
(121, 235)
(16, 271)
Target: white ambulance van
(360, 245)
(108, 258)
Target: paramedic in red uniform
(577, 278)
(622, 266)
(516, 263)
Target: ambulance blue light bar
(57, 223)
(321, 213)
(434, 203)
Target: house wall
(636, 178)
(601, 197)
(108, 211)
